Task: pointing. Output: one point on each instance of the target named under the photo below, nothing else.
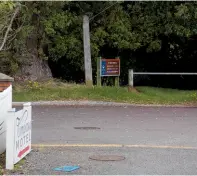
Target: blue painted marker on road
(66, 168)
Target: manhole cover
(107, 157)
(87, 128)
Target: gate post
(130, 80)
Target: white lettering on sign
(112, 66)
(113, 63)
(113, 71)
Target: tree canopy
(138, 32)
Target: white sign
(18, 137)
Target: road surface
(153, 140)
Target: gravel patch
(137, 161)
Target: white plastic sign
(18, 136)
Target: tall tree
(53, 31)
(8, 12)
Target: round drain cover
(107, 157)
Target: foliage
(64, 36)
(34, 85)
(131, 30)
(2, 163)
(14, 53)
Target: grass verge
(2, 163)
(17, 167)
(56, 90)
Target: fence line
(162, 73)
(131, 74)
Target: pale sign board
(18, 135)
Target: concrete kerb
(98, 103)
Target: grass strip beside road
(2, 163)
(17, 167)
(52, 90)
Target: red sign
(23, 151)
(110, 67)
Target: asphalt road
(153, 140)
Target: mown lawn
(56, 90)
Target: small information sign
(110, 67)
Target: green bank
(56, 90)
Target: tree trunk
(36, 68)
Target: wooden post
(87, 52)
(117, 84)
(117, 80)
(98, 78)
(130, 80)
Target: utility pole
(87, 52)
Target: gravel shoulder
(137, 161)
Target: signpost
(108, 67)
(18, 136)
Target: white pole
(87, 52)
(10, 123)
(130, 79)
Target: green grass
(2, 163)
(17, 167)
(52, 90)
